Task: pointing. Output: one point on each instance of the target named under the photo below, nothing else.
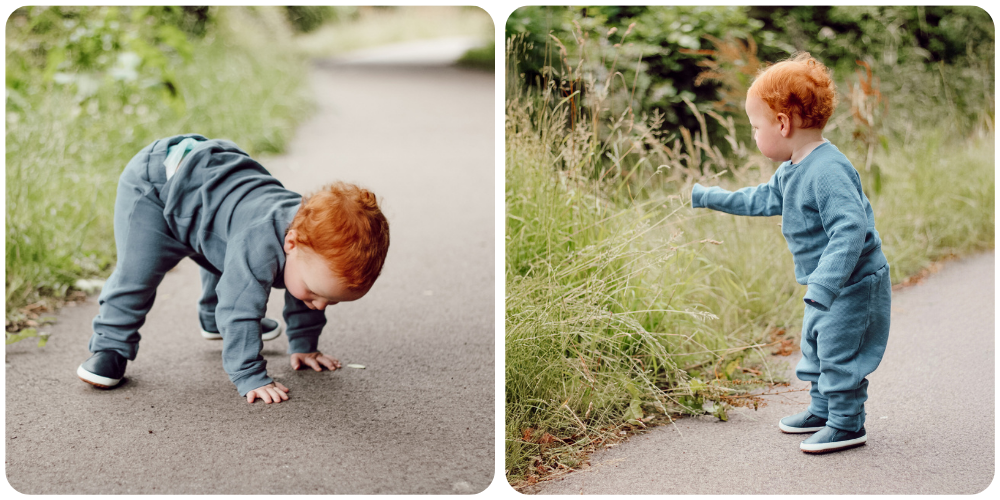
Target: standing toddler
(828, 224)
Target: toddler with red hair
(188, 196)
(829, 226)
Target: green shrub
(940, 55)
(307, 18)
(483, 57)
(666, 75)
(86, 48)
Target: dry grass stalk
(630, 153)
(867, 109)
(733, 64)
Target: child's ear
(786, 124)
(289, 241)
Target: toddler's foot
(270, 330)
(832, 439)
(104, 369)
(801, 423)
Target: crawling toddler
(189, 196)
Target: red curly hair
(800, 86)
(343, 224)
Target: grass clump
(938, 199)
(613, 309)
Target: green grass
(617, 314)
(623, 313)
(938, 199)
(480, 57)
(63, 160)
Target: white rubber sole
(271, 335)
(839, 445)
(95, 379)
(796, 430)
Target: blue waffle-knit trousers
(146, 251)
(842, 346)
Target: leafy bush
(664, 37)
(482, 57)
(307, 18)
(86, 48)
(942, 54)
(890, 34)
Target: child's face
(309, 279)
(768, 130)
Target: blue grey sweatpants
(842, 346)
(146, 251)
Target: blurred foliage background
(88, 87)
(938, 55)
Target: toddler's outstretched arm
(762, 200)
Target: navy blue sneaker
(269, 328)
(104, 369)
(832, 439)
(801, 423)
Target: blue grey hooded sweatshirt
(234, 215)
(826, 219)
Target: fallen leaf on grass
(37, 307)
(785, 349)
(360, 367)
(784, 346)
(527, 434)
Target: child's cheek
(296, 291)
(293, 286)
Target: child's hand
(273, 392)
(313, 360)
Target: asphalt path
(419, 418)
(930, 417)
